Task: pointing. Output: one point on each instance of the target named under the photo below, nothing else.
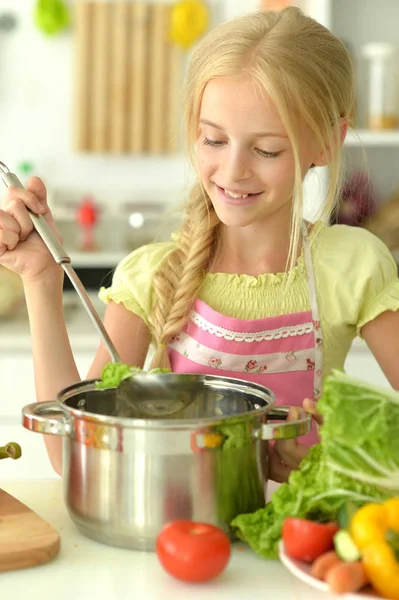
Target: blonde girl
(247, 288)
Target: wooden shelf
(366, 138)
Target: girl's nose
(237, 166)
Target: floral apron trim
(278, 362)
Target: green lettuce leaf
(361, 431)
(357, 459)
(113, 373)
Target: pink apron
(283, 353)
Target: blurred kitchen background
(89, 101)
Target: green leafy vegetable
(113, 373)
(357, 460)
(237, 484)
(361, 431)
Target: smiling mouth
(237, 196)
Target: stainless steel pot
(124, 478)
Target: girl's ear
(321, 160)
(343, 125)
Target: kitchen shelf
(366, 137)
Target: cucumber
(345, 547)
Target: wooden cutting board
(26, 540)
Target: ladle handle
(61, 257)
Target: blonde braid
(177, 282)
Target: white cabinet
(17, 389)
(357, 23)
(16, 383)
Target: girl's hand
(21, 249)
(286, 455)
(310, 408)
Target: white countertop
(85, 568)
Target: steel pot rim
(161, 424)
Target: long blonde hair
(308, 74)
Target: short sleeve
(381, 283)
(132, 280)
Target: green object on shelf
(25, 167)
(51, 16)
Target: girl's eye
(218, 144)
(268, 154)
(213, 143)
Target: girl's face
(244, 156)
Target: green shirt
(356, 280)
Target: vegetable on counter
(312, 542)
(347, 577)
(375, 530)
(324, 563)
(357, 460)
(366, 551)
(307, 540)
(11, 450)
(193, 552)
(346, 547)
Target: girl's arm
(382, 337)
(130, 336)
(54, 364)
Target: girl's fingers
(278, 471)
(290, 451)
(311, 408)
(17, 196)
(10, 231)
(8, 222)
(8, 240)
(17, 210)
(37, 187)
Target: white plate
(302, 570)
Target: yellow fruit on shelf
(189, 19)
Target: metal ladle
(138, 398)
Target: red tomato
(193, 552)
(306, 540)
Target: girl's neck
(259, 248)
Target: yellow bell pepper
(375, 531)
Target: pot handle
(45, 417)
(284, 431)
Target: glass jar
(383, 102)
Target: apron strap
(314, 307)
